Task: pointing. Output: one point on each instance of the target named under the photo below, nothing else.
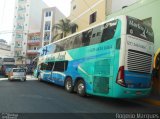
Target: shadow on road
(131, 103)
(50, 93)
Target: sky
(7, 15)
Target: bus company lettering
(136, 116)
(139, 26)
(61, 57)
(110, 24)
(57, 57)
(132, 23)
(136, 45)
(100, 48)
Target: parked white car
(17, 74)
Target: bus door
(58, 72)
(50, 68)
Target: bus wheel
(81, 88)
(68, 85)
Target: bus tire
(81, 88)
(68, 85)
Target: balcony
(21, 18)
(19, 27)
(22, 1)
(32, 52)
(33, 42)
(22, 9)
(18, 48)
(19, 36)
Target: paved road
(33, 96)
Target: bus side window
(71, 42)
(78, 41)
(86, 36)
(60, 66)
(96, 35)
(66, 44)
(43, 66)
(108, 31)
(49, 66)
(59, 47)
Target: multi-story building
(33, 45)
(86, 13)
(27, 20)
(50, 16)
(5, 49)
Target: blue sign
(48, 49)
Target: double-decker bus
(6, 63)
(112, 59)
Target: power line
(82, 20)
(87, 10)
(91, 9)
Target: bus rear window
(137, 28)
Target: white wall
(58, 16)
(118, 4)
(35, 12)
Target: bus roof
(118, 17)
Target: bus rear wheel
(68, 85)
(81, 88)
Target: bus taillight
(120, 76)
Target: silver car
(17, 74)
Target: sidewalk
(31, 77)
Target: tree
(65, 26)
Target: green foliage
(65, 26)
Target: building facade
(5, 49)
(50, 16)
(33, 45)
(27, 20)
(86, 13)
